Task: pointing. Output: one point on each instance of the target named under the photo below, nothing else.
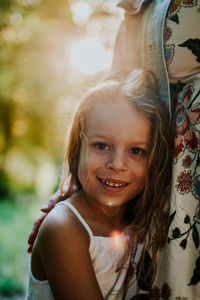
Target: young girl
(118, 158)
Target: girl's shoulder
(62, 222)
(61, 247)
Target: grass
(16, 219)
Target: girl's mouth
(113, 185)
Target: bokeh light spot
(118, 239)
(89, 56)
(16, 19)
(81, 12)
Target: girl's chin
(111, 210)
(113, 203)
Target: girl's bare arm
(56, 197)
(63, 246)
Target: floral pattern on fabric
(194, 46)
(179, 274)
(187, 116)
(186, 162)
(175, 7)
(196, 193)
(155, 293)
(192, 231)
(167, 33)
(184, 225)
(187, 180)
(169, 53)
(184, 182)
(169, 49)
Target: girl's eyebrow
(142, 143)
(96, 136)
(135, 143)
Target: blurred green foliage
(33, 118)
(39, 88)
(15, 222)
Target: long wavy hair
(145, 214)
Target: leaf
(171, 218)
(195, 236)
(144, 281)
(196, 277)
(196, 273)
(194, 46)
(198, 262)
(187, 219)
(183, 243)
(194, 280)
(174, 18)
(176, 233)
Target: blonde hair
(145, 213)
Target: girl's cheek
(83, 174)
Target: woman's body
(165, 37)
(119, 179)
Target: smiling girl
(118, 158)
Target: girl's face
(116, 155)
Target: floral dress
(139, 44)
(182, 255)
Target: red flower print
(166, 291)
(154, 293)
(167, 33)
(186, 135)
(176, 5)
(184, 182)
(182, 122)
(179, 146)
(195, 114)
(186, 162)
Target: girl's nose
(117, 162)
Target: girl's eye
(101, 146)
(137, 151)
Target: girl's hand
(45, 210)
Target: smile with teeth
(112, 184)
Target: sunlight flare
(88, 56)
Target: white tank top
(105, 254)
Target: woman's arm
(63, 247)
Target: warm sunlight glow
(89, 56)
(118, 239)
(81, 12)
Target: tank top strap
(78, 215)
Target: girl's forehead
(112, 105)
(115, 118)
(108, 101)
(104, 106)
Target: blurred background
(51, 51)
